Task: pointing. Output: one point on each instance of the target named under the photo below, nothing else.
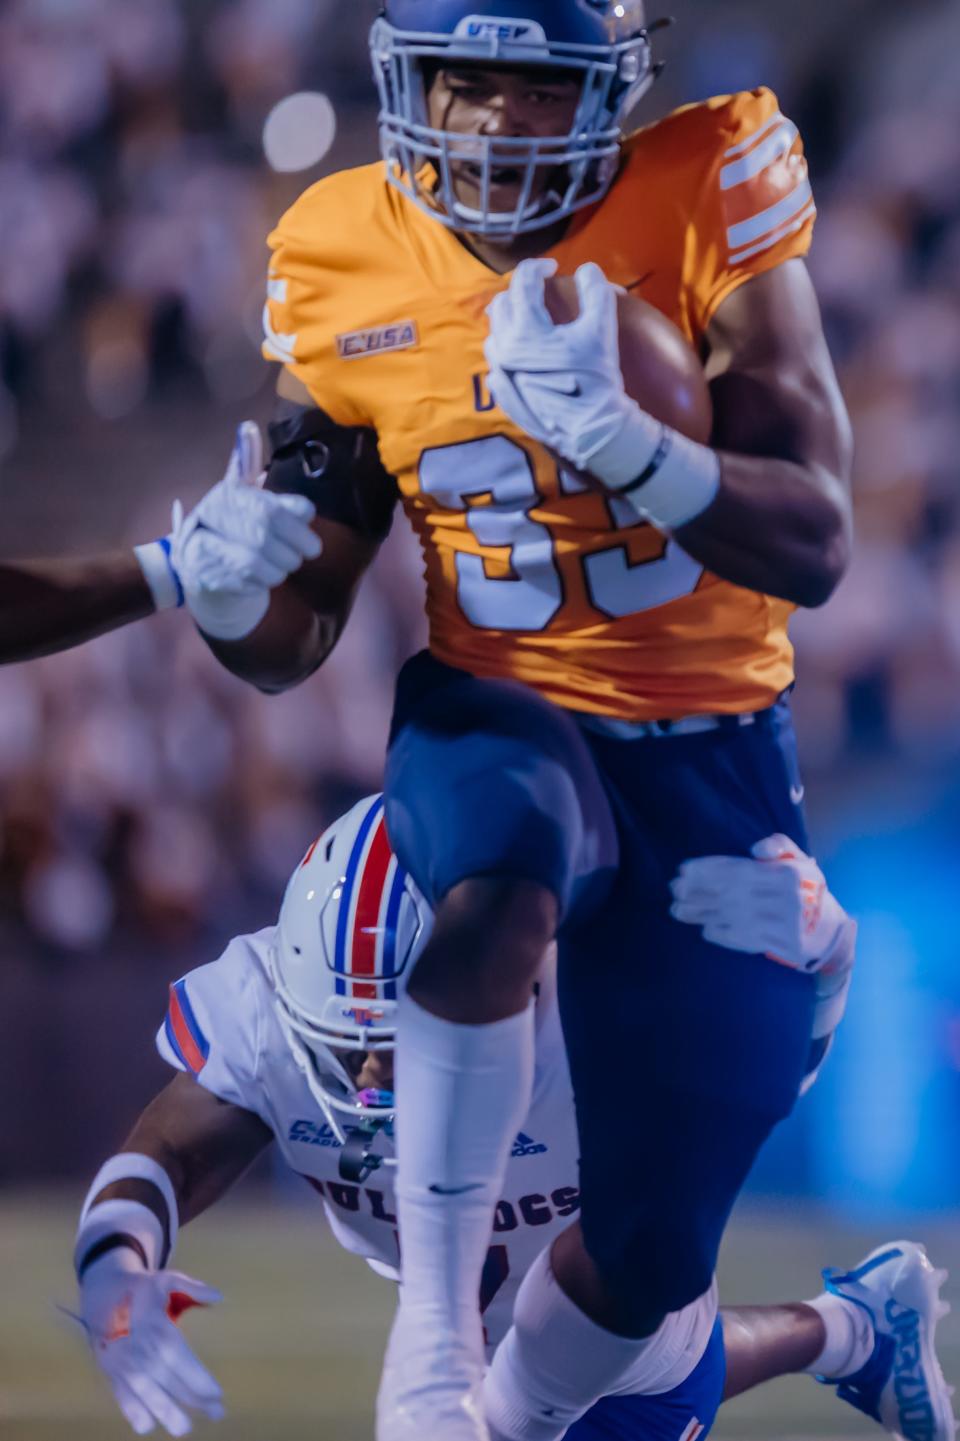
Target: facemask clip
(358, 1160)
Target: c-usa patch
(401, 335)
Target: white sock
(850, 1336)
(555, 1363)
(462, 1095)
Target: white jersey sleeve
(214, 1023)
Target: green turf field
(296, 1345)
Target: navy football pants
(684, 1055)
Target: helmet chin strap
(358, 1159)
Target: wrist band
(132, 1166)
(159, 573)
(678, 483)
(120, 1226)
(666, 478)
(86, 1256)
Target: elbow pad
(336, 467)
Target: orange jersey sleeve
(755, 208)
(329, 242)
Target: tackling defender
(605, 691)
(290, 1035)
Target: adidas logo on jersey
(526, 1146)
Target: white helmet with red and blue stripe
(605, 43)
(352, 925)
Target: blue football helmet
(605, 42)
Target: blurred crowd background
(150, 805)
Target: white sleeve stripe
(277, 289)
(771, 219)
(757, 135)
(767, 153)
(277, 345)
(775, 235)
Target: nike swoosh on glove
(562, 384)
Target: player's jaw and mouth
(504, 187)
(502, 104)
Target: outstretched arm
(203, 1145)
(187, 1148)
(51, 605)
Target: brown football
(661, 372)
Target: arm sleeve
(212, 1027)
(756, 208)
(336, 467)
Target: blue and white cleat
(901, 1385)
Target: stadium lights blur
(299, 131)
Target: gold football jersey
(380, 312)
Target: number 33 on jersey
(380, 313)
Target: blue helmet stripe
(390, 939)
(343, 915)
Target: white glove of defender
(239, 543)
(778, 904)
(562, 384)
(129, 1316)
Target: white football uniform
(222, 1026)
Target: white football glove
(562, 384)
(240, 542)
(129, 1316)
(777, 904)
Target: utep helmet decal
(351, 927)
(605, 43)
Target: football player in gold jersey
(604, 692)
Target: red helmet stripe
(366, 923)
